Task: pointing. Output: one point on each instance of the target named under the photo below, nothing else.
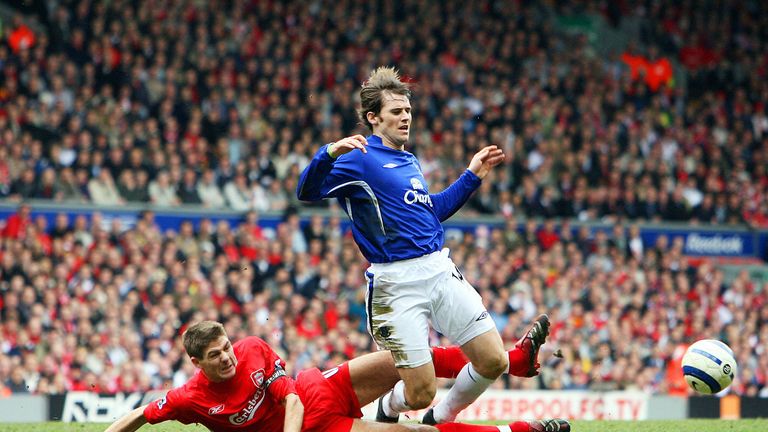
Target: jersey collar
(376, 141)
(219, 387)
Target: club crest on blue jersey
(412, 197)
(416, 184)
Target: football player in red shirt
(243, 386)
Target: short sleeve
(167, 407)
(278, 383)
(281, 385)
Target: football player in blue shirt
(412, 281)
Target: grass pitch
(578, 426)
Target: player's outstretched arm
(129, 422)
(294, 413)
(318, 179)
(346, 145)
(485, 159)
(449, 201)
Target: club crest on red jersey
(258, 378)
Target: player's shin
(394, 402)
(468, 386)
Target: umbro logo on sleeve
(389, 165)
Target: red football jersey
(249, 400)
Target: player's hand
(486, 159)
(346, 145)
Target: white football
(709, 366)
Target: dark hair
(198, 336)
(382, 79)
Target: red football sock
(519, 426)
(448, 361)
(518, 362)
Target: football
(709, 366)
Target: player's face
(219, 362)
(393, 123)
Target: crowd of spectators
(89, 305)
(221, 104)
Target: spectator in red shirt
(21, 37)
(696, 54)
(658, 70)
(655, 71)
(16, 225)
(547, 235)
(636, 62)
(759, 217)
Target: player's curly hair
(198, 336)
(382, 79)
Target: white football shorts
(403, 297)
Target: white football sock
(468, 386)
(394, 402)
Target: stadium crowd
(90, 306)
(181, 102)
(222, 106)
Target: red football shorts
(330, 402)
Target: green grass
(585, 426)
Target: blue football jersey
(385, 195)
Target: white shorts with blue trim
(403, 297)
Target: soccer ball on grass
(709, 366)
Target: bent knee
(421, 401)
(492, 366)
(421, 396)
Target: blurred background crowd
(222, 104)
